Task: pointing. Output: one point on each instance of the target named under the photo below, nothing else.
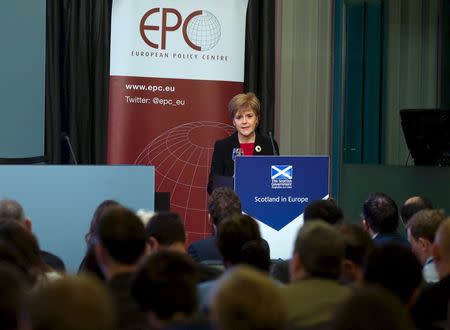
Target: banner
(175, 65)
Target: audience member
(165, 231)
(25, 243)
(89, 262)
(246, 299)
(422, 228)
(413, 205)
(239, 242)
(121, 244)
(12, 290)
(372, 308)
(397, 269)
(165, 288)
(358, 245)
(11, 209)
(11, 256)
(430, 311)
(222, 203)
(324, 209)
(314, 292)
(71, 303)
(380, 219)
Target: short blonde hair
(259, 304)
(244, 100)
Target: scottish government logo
(201, 29)
(282, 176)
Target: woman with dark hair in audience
(89, 263)
(20, 248)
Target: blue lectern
(275, 191)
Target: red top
(248, 148)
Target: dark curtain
(260, 58)
(77, 74)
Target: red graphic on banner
(171, 124)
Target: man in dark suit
(222, 203)
(380, 219)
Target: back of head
(326, 210)
(234, 237)
(12, 290)
(425, 223)
(372, 308)
(381, 213)
(93, 228)
(358, 243)
(11, 209)
(71, 303)
(395, 268)
(11, 256)
(167, 228)
(321, 249)
(122, 234)
(13, 233)
(223, 203)
(413, 205)
(246, 299)
(166, 284)
(254, 254)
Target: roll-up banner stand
(175, 65)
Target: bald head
(413, 205)
(11, 209)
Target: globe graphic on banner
(204, 30)
(182, 157)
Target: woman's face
(245, 121)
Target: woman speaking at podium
(245, 112)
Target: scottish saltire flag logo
(282, 176)
(282, 172)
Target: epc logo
(201, 29)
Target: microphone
(67, 139)
(273, 144)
